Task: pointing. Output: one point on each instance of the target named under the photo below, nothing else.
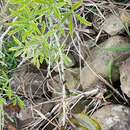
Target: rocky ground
(97, 80)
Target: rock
(113, 117)
(76, 52)
(72, 78)
(27, 115)
(29, 81)
(125, 17)
(125, 76)
(115, 24)
(71, 81)
(30, 84)
(89, 44)
(100, 60)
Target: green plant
(114, 63)
(36, 35)
(6, 92)
(39, 27)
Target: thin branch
(5, 33)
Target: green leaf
(76, 5)
(9, 92)
(83, 20)
(50, 33)
(14, 31)
(85, 121)
(39, 1)
(34, 26)
(18, 52)
(14, 101)
(110, 68)
(14, 48)
(57, 13)
(2, 101)
(37, 63)
(117, 49)
(65, 16)
(20, 102)
(41, 58)
(43, 27)
(43, 1)
(19, 1)
(67, 60)
(60, 4)
(17, 41)
(71, 26)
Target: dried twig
(5, 33)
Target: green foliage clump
(7, 62)
(39, 27)
(6, 92)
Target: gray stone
(71, 81)
(100, 60)
(29, 81)
(27, 115)
(113, 25)
(125, 76)
(113, 117)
